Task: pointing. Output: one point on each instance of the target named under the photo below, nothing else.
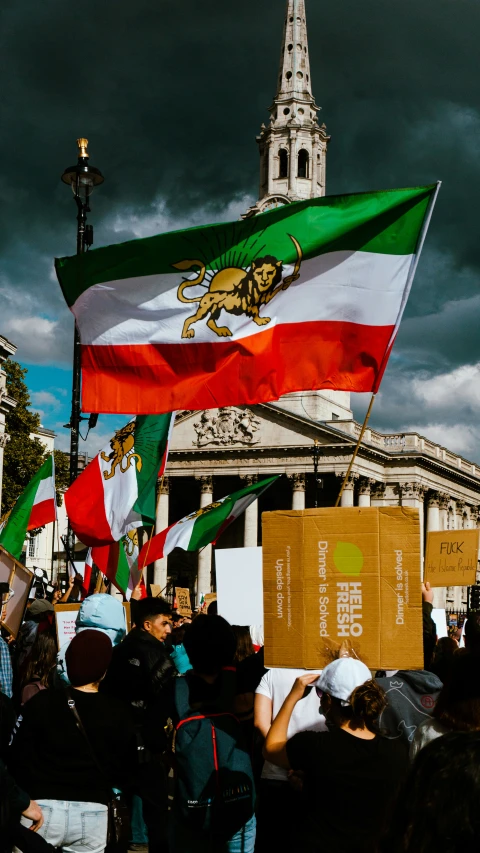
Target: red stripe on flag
(42, 513)
(153, 549)
(256, 369)
(84, 502)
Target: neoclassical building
(218, 451)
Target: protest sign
(348, 574)
(208, 599)
(66, 620)
(184, 607)
(439, 616)
(239, 585)
(156, 590)
(451, 558)
(20, 580)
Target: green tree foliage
(23, 455)
(62, 473)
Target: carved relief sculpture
(226, 426)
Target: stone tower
(293, 147)
(293, 153)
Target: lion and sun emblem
(235, 288)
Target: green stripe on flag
(14, 533)
(385, 222)
(151, 437)
(122, 575)
(207, 525)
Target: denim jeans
(139, 828)
(187, 841)
(75, 827)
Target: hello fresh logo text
(348, 560)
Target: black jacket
(140, 669)
(13, 801)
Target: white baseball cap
(342, 677)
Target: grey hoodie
(411, 699)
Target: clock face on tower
(273, 202)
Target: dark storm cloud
(171, 95)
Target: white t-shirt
(276, 685)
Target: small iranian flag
(202, 527)
(87, 574)
(117, 490)
(304, 297)
(35, 507)
(119, 562)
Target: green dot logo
(348, 559)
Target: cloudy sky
(171, 94)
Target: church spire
(294, 76)
(293, 147)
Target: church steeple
(293, 147)
(294, 75)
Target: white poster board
(240, 585)
(439, 616)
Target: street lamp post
(82, 178)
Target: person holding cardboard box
(351, 770)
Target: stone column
(412, 494)
(377, 494)
(204, 571)
(459, 515)
(298, 490)
(250, 533)
(433, 512)
(365, 490)
(348, 492)
(161, 522)
(314, 173)
(292, 172)
(443, 501)
(271, 176)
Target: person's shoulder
(395, 751)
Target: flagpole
(357, 447)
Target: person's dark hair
(148, 608)
(458, 704)
(437, 808)
(443, 657)
(471, 632)
(212, 609)
(244, 642)
(41, 659)
(210, 644)
(365, 707)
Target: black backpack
(215, 791)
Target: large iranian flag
(117, 491)
(307, 296)
(202, 527)
(35, 507)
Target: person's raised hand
(427, 592)
(34, 812)
(301, 683)
(137, 592)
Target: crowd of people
(175, 737)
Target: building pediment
(262, 426)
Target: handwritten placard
(451, 557)
(184, 607)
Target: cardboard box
(451, 557)
(343, 574)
